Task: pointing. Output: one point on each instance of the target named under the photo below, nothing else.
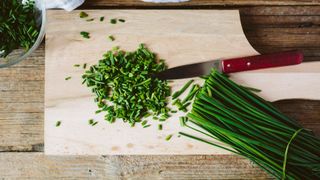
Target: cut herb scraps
(58, 123)
(111, 38)
(113, 21)
(124, 87)
(83, 14)
(85, 34)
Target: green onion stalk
(251, 127)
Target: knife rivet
(228, 65)
(248, 63)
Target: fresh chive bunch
(125, 88)
(253, 128)
(18, 27)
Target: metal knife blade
(189, 70)
(233, 65)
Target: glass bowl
(20, 54)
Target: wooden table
(269, 26)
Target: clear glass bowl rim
(36, 44)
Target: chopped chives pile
(18, 26)
(125, 88)
(253, 128)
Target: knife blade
(233, 65)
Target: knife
(233, 65)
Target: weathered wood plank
(21, 104)
(130, 3)
(38, 166)
(307, 114)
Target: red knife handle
(261, 61)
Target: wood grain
(21, 104)
(38, 166)
(198, 3)
(22, 130)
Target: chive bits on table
(89, 20)
(168, 137)
(124, 87)
(113, 21)
(111, 38)
(84, 66)
(85, 34)
(83, 14)
(58, 123)
(92, 122)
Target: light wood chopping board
(178, 36)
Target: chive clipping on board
(169, 137)
(113, 21)
(89, 20)
(252, 89)
(58, 123)
(115, 48)
(67, 78)
(252, 127)
(18, 25)
(92, 122)
(95, 123)
(84, 66)
(124, 87)
(182, 90)
(146, 126)
(193, 91)
(85, 34)
(160, 127)
(101, 18)
(76, 65)
(83, 14)
(144, 122)
(111, 38)
(122, 20)
(183, 121)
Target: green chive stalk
(251, 127)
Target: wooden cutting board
(178, 36)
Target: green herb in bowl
(18, 26)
